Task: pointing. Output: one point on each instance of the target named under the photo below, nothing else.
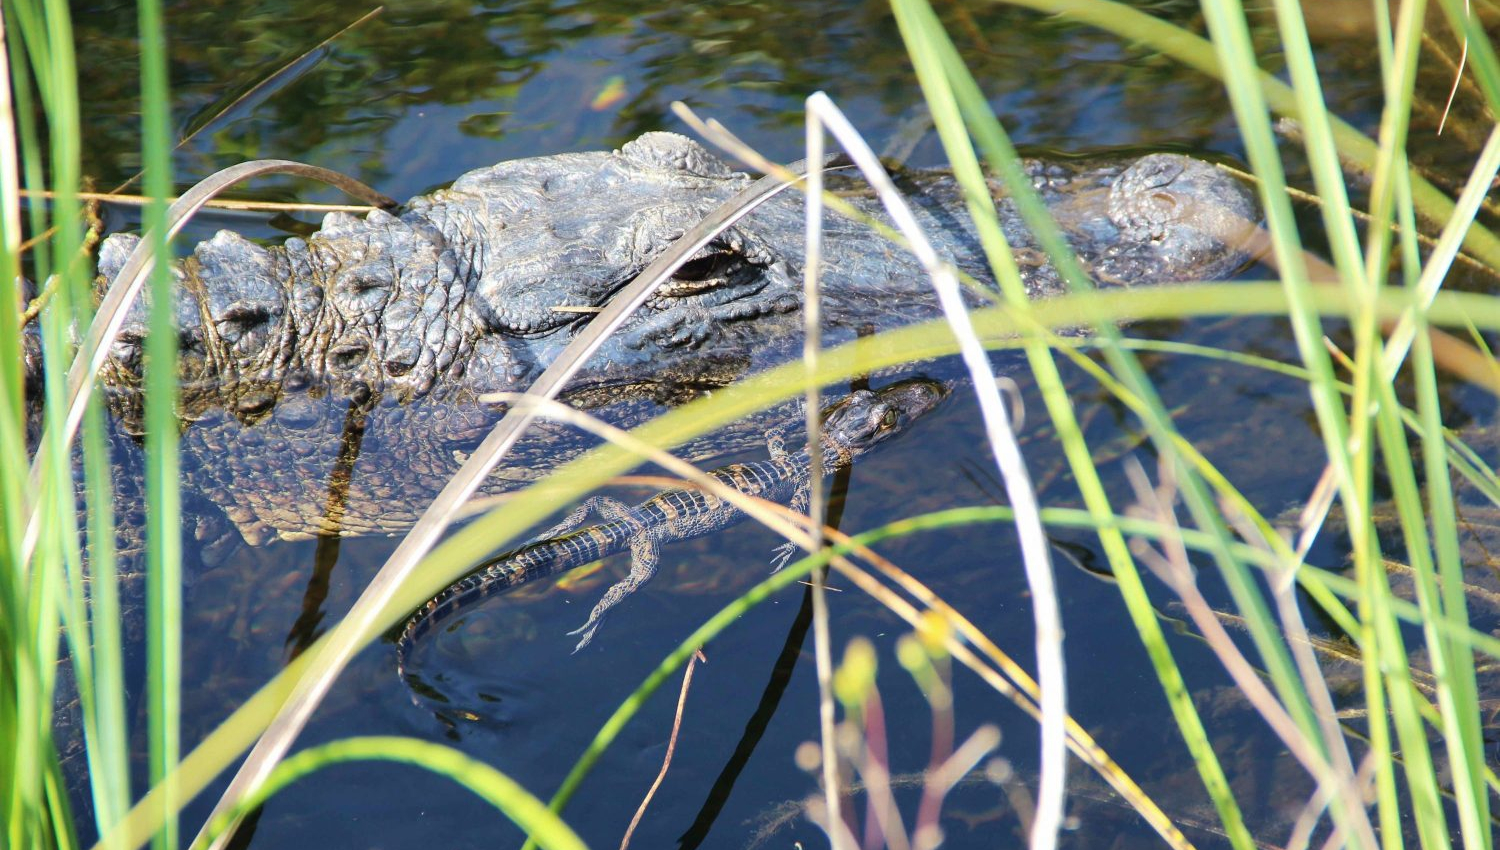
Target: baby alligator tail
(533, 561)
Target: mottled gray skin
(852, 426)
(385, 330)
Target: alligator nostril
(397, 368)
(365, 283)
(1162, 171)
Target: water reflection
(423, 92)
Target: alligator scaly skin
(854, 425)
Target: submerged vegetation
(1413, 772)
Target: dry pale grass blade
(1450, 352)
(1310, 520)
(1002, 440)
(1312, 812)
(881, 812)
(116, 197)
(720, 135)
(218, 204)
(788, 523)
(1449, 241)
(314, 684)
(126, 287)
(1012, 466)
(838, 830)
(812, 333)
(1343, 780)
(272, 78)
(1463, 59)
(776, 517)
(1289, 128)
(966, 758)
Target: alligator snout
(1194, 217)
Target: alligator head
(475, 286)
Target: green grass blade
(47, 35)
(109, 742)
(487, 783)
(1458, 691)
(1204, 510)
(1390, 188)
(1317, 132)
(17, 688)
(1416, 755)
(163, 541)
(12, 412)
(14, 623)
(1150, 409)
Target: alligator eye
(888, 421)
(705, 268)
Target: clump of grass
(38, 536)
(1372, 418)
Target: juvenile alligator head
(864, 419)
(394, 325)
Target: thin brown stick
(687, 681)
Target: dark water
(421, 93)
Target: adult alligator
(851, 426)
(331, 385)
(385, 331)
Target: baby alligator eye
(890, 418)
(705, 268)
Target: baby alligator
(851, 427)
